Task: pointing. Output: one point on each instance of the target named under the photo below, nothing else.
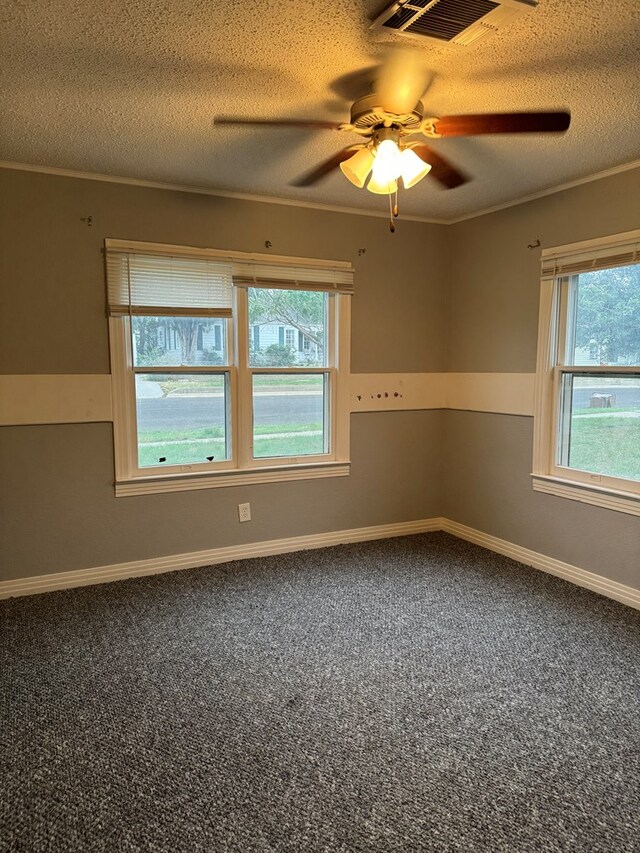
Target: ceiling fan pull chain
(392, 226)
(395, 206)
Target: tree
(145, 330)
(187, 329)
(608, 314)
(302, 309)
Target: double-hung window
(587, 429)
(210, 387)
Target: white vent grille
(455, 21)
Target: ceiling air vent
(454, 21)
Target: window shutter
(167, 284)
(281, 335)
(621, 251)
(256, 337)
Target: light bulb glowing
(413, 168)
(381, 187)
(388, 163)
(356, 169)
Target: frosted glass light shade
(356, 169)
(388, 163)
(413, 168)
(381, 187)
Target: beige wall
(492, 327)
(58, 511)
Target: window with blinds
(588, 399)
(621, 251)
(210, 377)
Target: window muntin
(587, 427)
(184, 385)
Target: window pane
(607, 329)
(175, 341)
(287, 328)
(601, 424)
(182, 418)
(290, 415)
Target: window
(209, 386)
(587, 430)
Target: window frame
(241, 467)
(557, 304)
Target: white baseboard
(158, 565)
(103, 574)
(598, 583)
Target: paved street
(177, 412)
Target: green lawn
(186, 434)
(194, 445)
(606, 444)
(304, 445)
(186, 453)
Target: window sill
(222, 479)
(586, 493)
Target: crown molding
(331, 208)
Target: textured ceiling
(130, 89)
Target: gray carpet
(414, 694)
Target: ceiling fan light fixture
(413, 168)
(357, 168)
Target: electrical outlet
(244, 512)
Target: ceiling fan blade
(278, 122)
(323, 169)
(475, 125)
(402, 80)
(442, 170)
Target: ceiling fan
(390, 121)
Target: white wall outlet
(244, 512)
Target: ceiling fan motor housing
(368, 113)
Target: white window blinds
(167, 284)
(621, 251)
